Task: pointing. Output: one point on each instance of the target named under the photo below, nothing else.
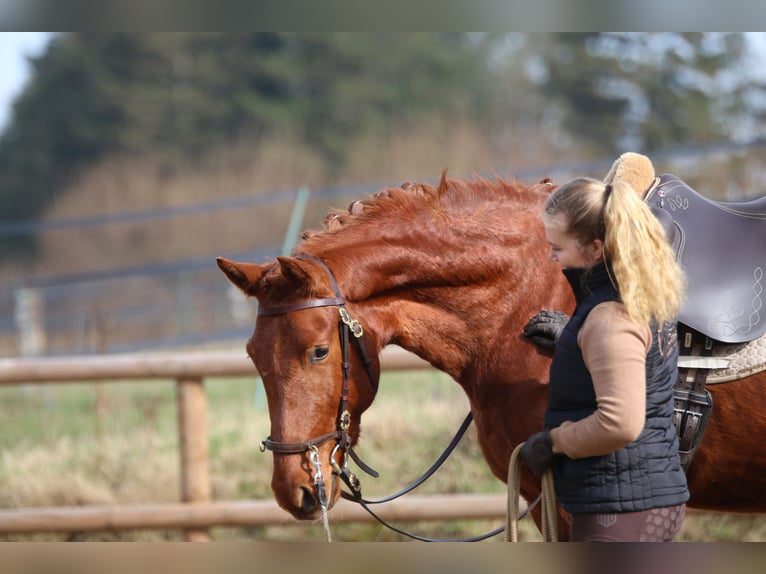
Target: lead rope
(550, 529)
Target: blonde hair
(650, 281)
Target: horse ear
(442, 183)
(243, 275)
(296, 271)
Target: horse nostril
(308, 502)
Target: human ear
(596, 249)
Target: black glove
(545, 328)
(537, 452)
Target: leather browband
(300, 305)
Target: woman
(609, 435)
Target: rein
(348, 326)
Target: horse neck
(459, 306)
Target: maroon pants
(655, 525)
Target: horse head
(318, 375)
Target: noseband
(346, 327)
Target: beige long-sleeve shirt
(614, 349)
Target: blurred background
(129, 161)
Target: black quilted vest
(642, 475)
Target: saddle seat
(722, 249)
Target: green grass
(58, 449)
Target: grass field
(109, 443)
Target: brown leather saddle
(722, 249)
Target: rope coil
(549, 512)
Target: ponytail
(650, 281)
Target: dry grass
(57, 451)
(121, 185)
(134, 458)
(124, 185)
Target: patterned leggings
(655, 525)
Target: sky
(15, 49)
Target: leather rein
(350, 329)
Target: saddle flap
(723, 253)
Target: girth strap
(693, 402)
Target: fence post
(193, 446)
(29, 313)
(296, 218)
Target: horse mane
(407, 202)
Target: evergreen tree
(643, 91)
(178, 96)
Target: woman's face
(567, 251)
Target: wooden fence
(196, 512)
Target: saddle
(722, 249)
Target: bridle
(350, 329)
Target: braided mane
(409, 202)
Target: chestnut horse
(451, 273)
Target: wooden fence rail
(200, 517)
(188, 365)
(197, 512)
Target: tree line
(180, 96)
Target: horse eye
(319, 353)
